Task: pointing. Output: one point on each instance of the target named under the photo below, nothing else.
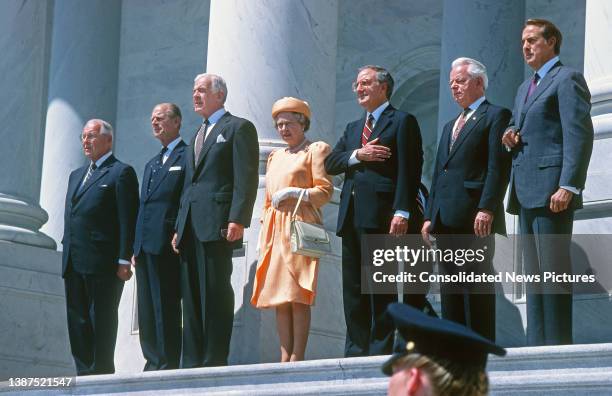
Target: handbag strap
(297, 205)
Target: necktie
(367, 130)
(90, 171)
(532, 86)
(156, 167)
(458, 127)
(199, 142)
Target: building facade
(66, 61)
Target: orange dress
(282, 276)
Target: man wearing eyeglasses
(99, 219)
(381, 156)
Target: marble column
(24, 43)
(265, 51)
(490, 32)
(82, 85)
(598, 73)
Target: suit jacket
(557, 139)
(379, 189)
(99, 218)
(474, 175)
(222, 186)
(158, 208)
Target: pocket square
(174, 168)
(103, 185)
(221, 139)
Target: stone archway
(418, 96)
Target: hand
(373, 152)
(483, 222)
(285, 193)
(399, 226)
(124, 272)
(235, 231)
(425, 232)
(560, 200)
(174, 246)
(133, 260)
(511, 138)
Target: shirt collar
(214, 117)
(476, 103)
(101, 160)
(172, 145)
(378, 111)
(546, 67)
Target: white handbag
(308, 239)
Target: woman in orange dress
(284, 280)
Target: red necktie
(459, 127)
(367, 130)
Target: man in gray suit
(221, 176)
(551, 139)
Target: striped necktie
(367, 130)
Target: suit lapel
(174, 156)
(468, 127)
(355, 137)
(76, 182)
(211, 139)
(545, 83)
(95, 176)
(146, 177)
(445, 141)
(385, 119)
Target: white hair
(475, 69)
(105, 127)
(217, 83)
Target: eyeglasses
(286, 124)
(89, 136)
(459, 81)
(364, 83)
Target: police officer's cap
(439, 338)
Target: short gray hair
(105, 127)
(217, 83)
(475, 69)
(382, 76)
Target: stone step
(557, 370)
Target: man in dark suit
(467, 190)
(157, 271)
(381, 156)
(551, 139)
(101, 208)
(221, 179)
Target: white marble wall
(488, 31)
(163, 47)
(404, 37)
(25, 33)
(279, 48)
(598, 72)
(569, 17)
(33, 334)
(82, 85)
